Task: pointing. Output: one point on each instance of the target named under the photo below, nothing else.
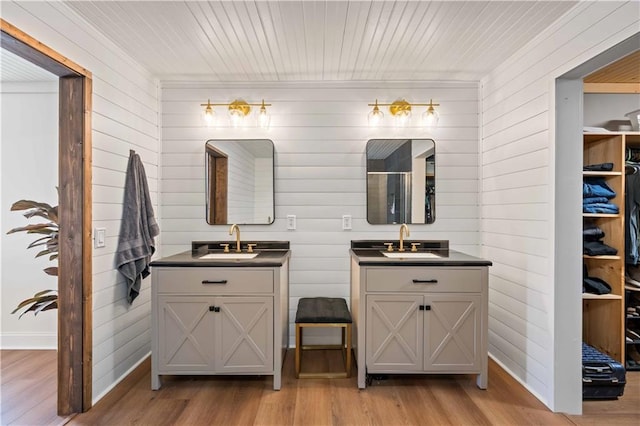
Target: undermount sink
(410, 255)
(229, 256)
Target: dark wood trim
(75, 276)
(87, 250)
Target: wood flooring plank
(28, 388)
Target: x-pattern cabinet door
(452, 332)
(244, 326)
(188, 334)
(394, 333)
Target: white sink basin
(229, 256)
(410, 255)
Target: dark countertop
(369, 253)
(270, 254)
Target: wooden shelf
(600, 174)
(598, 215)
(590, 296)
(608, 257)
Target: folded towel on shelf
(137, 229)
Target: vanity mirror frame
(394, 181)
(224, 202)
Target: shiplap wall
(518, 146)
(125, 116)
(320, 132)
(29, 156)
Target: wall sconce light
(401, 112)
(238, 111)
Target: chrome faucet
(236, 228)
(404, 232)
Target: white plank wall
(517, 193)
(125, 116)
(320, 132)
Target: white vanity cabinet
(219, 320)
(419, 319)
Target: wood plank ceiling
(320, 40)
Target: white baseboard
(28, 341)
(519, 380)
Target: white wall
(319, 132)
(125, 116)
(609, 110)
(29, 171)
(528, 325)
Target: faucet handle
(414, 246)
(389, 246)
(250, 247)
(226, 247)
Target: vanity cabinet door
(394, 330)
(452, 332)
(244, 326)
(185, 325)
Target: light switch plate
(99, 235)
(346, 221)
(291, 221)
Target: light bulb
(209, 115)
(263, 117)
(402, 118)
(237, 118)
(375, 116)
(430, 117)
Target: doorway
(568, 224)
(74, 201)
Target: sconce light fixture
(401, 112)
(238, 111)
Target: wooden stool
(323, 312)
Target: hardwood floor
(28, 397)
(396, 400)
(28, 390)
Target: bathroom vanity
(418, 312)
(216, 312)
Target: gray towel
(139, 226)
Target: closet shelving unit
(602, 315)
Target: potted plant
(48, 243)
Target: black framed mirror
(401, 181)
(239, 181)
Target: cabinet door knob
(421, 307)
(427, 307)
(212, 308)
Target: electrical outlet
(291, 221)
(346, 221)
(99, 235)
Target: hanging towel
(137, 230)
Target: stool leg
(298, 349)
(348, 360)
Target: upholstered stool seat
(323, 312)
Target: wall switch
(291, 221)
(346, 221)
(99, 237)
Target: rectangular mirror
(239, 181)
(401, 181)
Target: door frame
(75, 214)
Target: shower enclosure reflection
(239, 181)
(401, 181)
